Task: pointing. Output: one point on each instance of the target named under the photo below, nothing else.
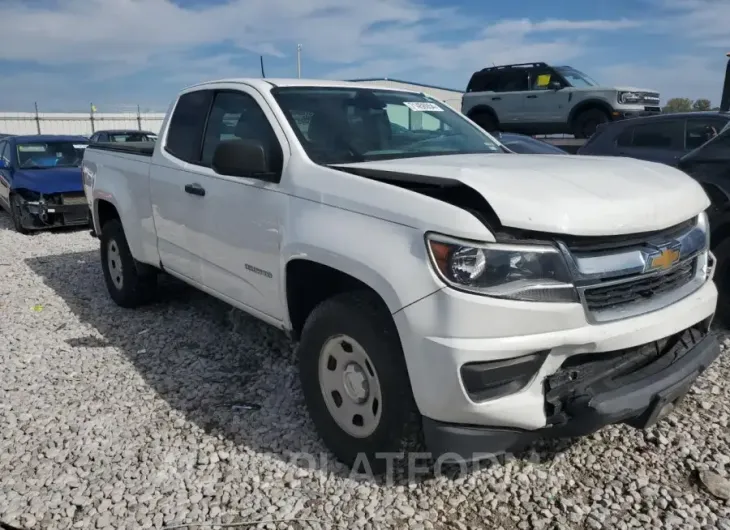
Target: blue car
(40, 181)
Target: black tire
(486, 121)
(16, 215)
(363, 317)
(586, 123)
(131, 288)
(722, 281)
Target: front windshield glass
(576, 78)
(343, 125)
(44, 155)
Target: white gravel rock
(189, 411)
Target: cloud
(702, 22)
(83, 50)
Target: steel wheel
(350, 386)
(114, 262)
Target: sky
(117, 54)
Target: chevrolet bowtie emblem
(663, 260)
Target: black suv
(536, 98)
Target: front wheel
(588, 121)
(16, 215)
(127, 286)
(354, 378)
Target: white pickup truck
(428, 274)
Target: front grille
(641, 289)
(581, 244)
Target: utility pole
(299, 61)
(37, 119)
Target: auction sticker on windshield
(422, 106)
(32, 148)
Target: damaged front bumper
(636, 386)
(37, 211)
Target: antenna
(262, 66)
(299, 61)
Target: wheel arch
(589, 104)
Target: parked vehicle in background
(40, 181)
(527, 145)
(536, 98)
(503, 297)
(665, 138)
(123, 135)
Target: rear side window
(483, 82)
(513, 81)
(185, 133)
(663, 134)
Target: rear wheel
(486, 121)
(127, 286)
(586, 123)
(354, 378)
(16, 215)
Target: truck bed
(134, 148)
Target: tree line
(687, 105)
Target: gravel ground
(188, 411)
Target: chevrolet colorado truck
(429, 275)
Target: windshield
(130, 137)
(43, 155)
(343, 125)
(575, 77)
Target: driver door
(543, 104)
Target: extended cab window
(237, 115)
(5, 153)
(185, 133)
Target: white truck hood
(576, 195)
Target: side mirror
(555, 85)
(242, 158)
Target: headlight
(629, 97)
(534, 273)
(704, 223)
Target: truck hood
(47, 181)
(575, 195)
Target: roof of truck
(267, 83)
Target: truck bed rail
(134, 148)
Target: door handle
(531, 97)
(195, 189)
(496, 99)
